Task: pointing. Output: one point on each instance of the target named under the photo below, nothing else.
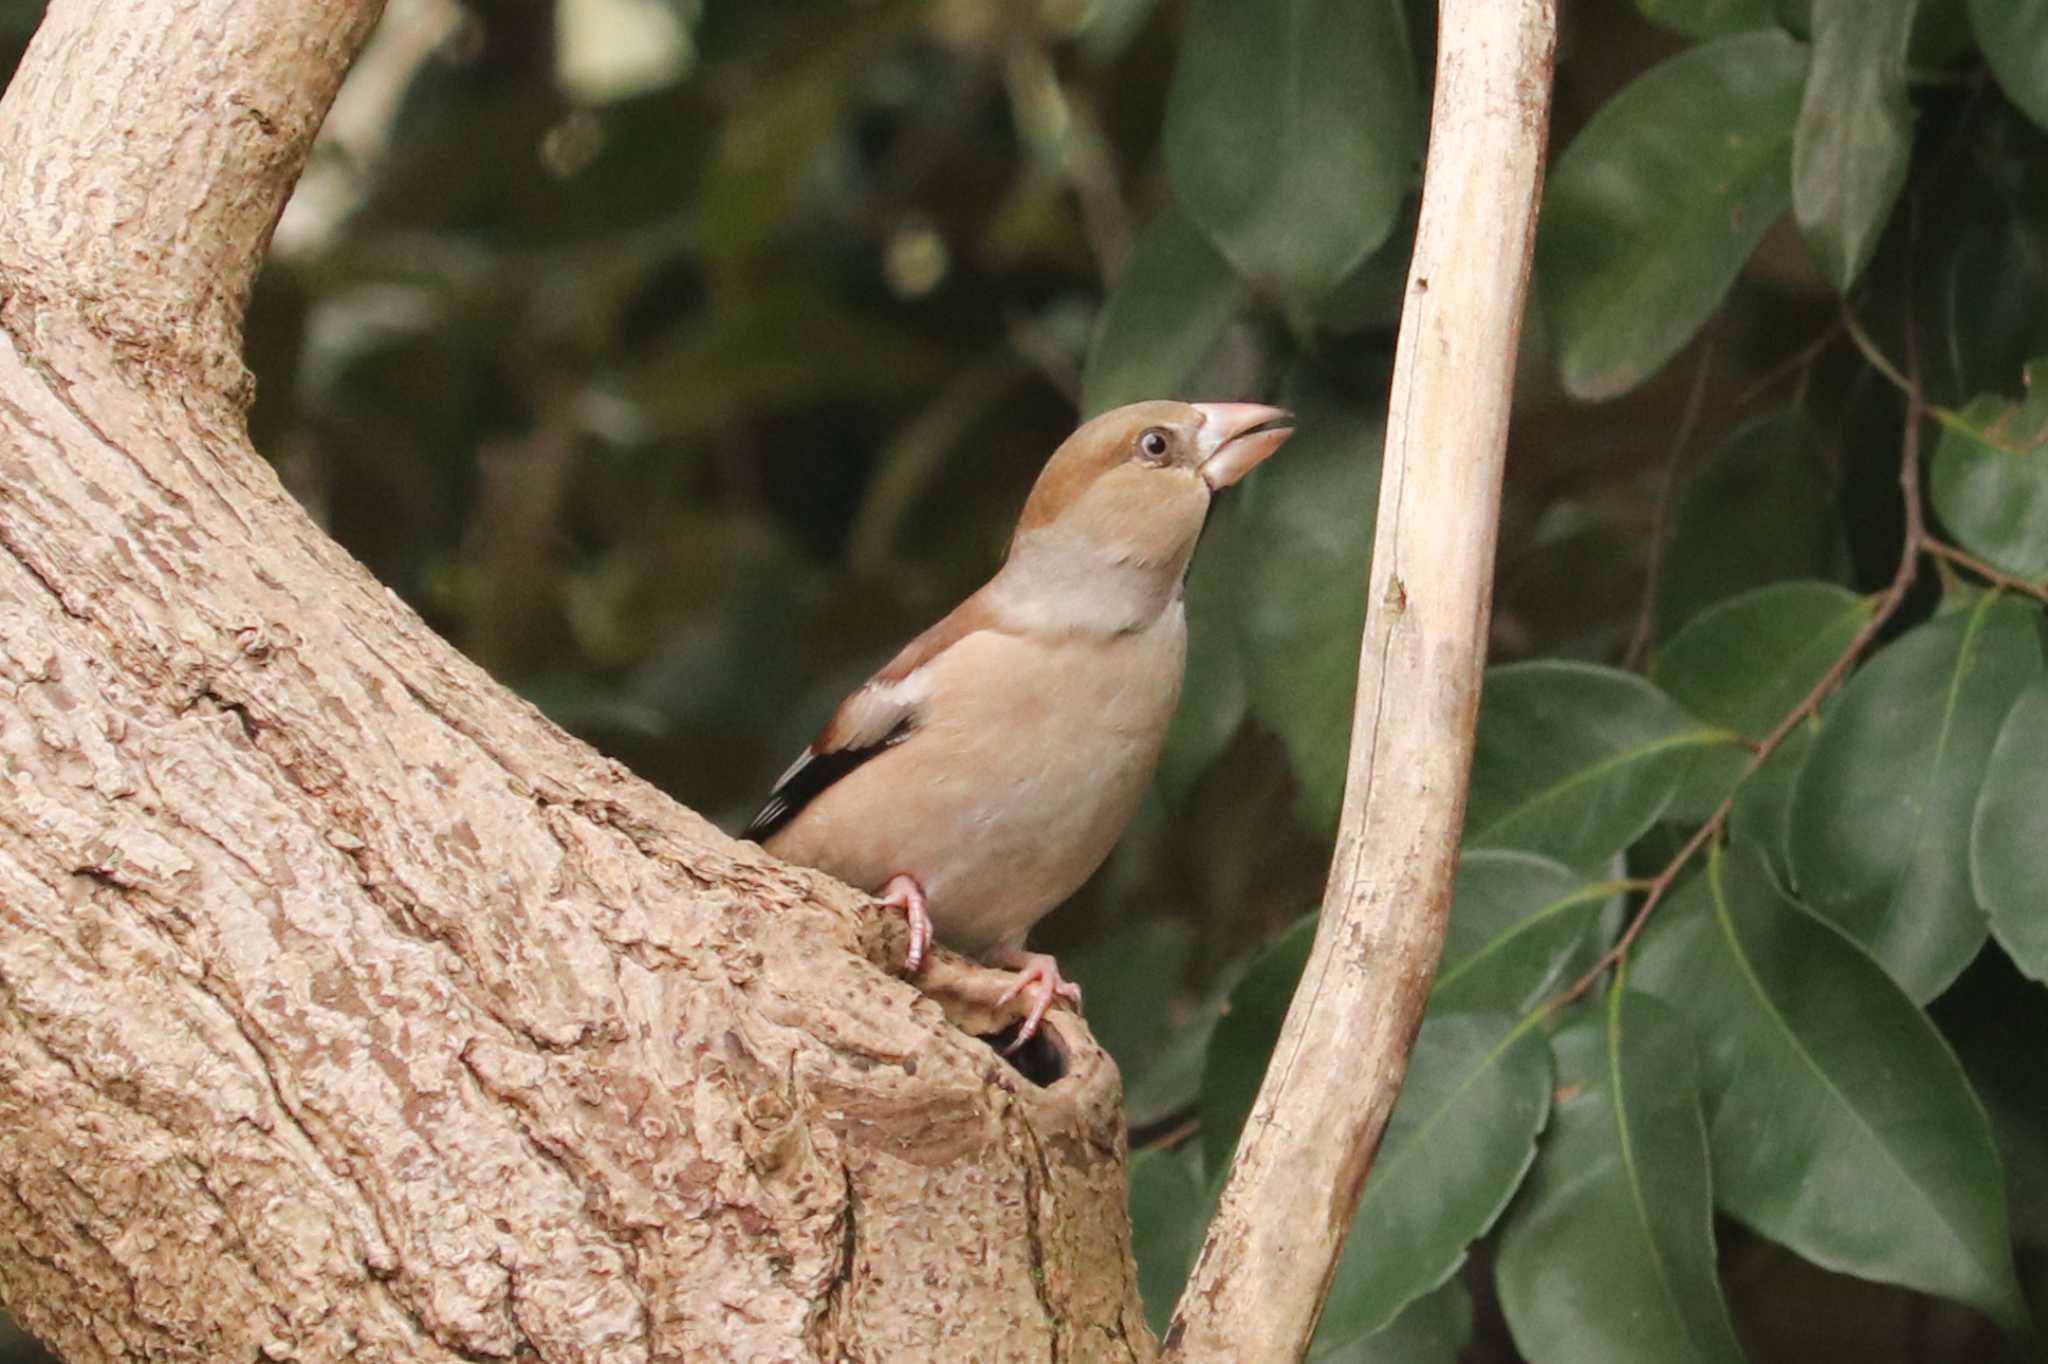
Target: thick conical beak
(1235, 437)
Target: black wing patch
(810, 775)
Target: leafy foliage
(1870, 766)
(2010, 829)
(1621, 1200)
(1655, 207)
(1291, 132)
(1760, 507)
(1176, 298)
(1575, 762)
(1840, 1123)
(1855, 131)
(2015, 43)
(1990, 477)
(1522, 930)
(1881, 816)
(1311, 525)
(679, 401)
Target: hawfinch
(983, 775)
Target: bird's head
(1137, 479)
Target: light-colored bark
(1286, 1208)
(348, 1009)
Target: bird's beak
(1235, 437)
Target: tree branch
(1259, 1283)
(348, 1008)
(209, 110)
(1999, 578)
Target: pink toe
(902, 892)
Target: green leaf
(1609, 1255)
(1574, 761)
(1745, 663)
(2014, 37)
(1521, 927)
(1301, 596)
(1169, 1212)
(1656, 205)
(1455, 1149)
(1760, 508)
(1128, 1010)
(1716, 772)
(1434, 1329)
(1841, 1125)
(1173, 1081)
(1989, 265)
(1855, 132)
(1369, 299)
(1880, 828)
(1710, 18)
(1762, 816)
(1172, 302)
(1243, 1041)
(1292, 130)
(1990, 483)
(2010, 833)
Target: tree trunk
(349, 1009)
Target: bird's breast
(1029, 761)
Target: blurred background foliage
(679, 360)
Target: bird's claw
(905, 894)
(1039, 982)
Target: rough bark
(348, 1009)
(1265, 1266)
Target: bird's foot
(905, 894)
(1038, 983)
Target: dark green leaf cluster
(1764, 1052)
(1724, 924)
(681, 397)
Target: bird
(979, 778)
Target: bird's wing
(884, 712)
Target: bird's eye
(1152, 446)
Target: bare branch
(1259, 1283)
(148, 147)
(1942, 549)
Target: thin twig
(1942, 549)
(1799, 360)
(1946, 417)
(1660, 513)
(1172, 1136)
(1887, 605)
(1872, 353)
